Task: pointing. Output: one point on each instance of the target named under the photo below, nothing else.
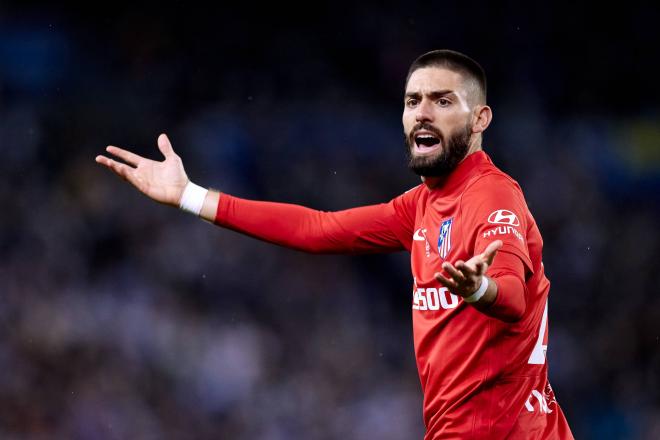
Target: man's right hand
(162, 181)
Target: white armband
(192, 198)
(481, 291)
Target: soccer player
(480, 295)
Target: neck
(475, 145)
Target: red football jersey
(482, 378)
(483, 375)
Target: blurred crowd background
(123, 319)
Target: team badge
(444, 238)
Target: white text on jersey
(501, 230)
(432, 299)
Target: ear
(481, 118)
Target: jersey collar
(460, 174)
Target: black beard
(452, 152)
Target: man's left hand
(465, 276)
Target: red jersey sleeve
(367, 229)
(495, 209)
(508, 273)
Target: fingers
(464, 274)
(479, 268)
(490, 252)
(449, 284)
(122, 170)
(104, 161)
(165, 146)
(467, 268)
(126, 156)
(474, 267)
(455, 272)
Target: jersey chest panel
(437, 238)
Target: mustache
(428, 127)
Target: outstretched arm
(375, 228)
(365, 229)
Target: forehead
(429, 79)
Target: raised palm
(465, 276)
(162, 181)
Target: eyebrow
(435, 94)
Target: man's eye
(411, 102)
(444, 102)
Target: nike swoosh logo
(418, 235)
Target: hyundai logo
(503, 217)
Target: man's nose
(424, 111)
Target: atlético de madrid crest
(444, 238)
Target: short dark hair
(456, 62)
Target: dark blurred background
(123, 319)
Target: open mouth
(426, 142)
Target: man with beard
(480, 323)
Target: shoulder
(414, 193)
(415, 189)
(493, 189)
(406, 204)
(491, 180)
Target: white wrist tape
(476, 296)
(192, 198)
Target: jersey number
(538, 353)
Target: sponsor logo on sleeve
(503, 230)
(506, 218)
(503, 217)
